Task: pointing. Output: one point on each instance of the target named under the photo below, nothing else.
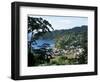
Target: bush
(59, 60)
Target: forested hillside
(64, 32)
(48, 46)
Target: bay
(41, 42)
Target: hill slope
(63, 32)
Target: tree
(37, 27)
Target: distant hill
(62, 32)
(83, 28)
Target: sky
(64, 22)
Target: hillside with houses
(69, 47)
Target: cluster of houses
(70, 51)
(74, 51)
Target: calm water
(42, 41)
